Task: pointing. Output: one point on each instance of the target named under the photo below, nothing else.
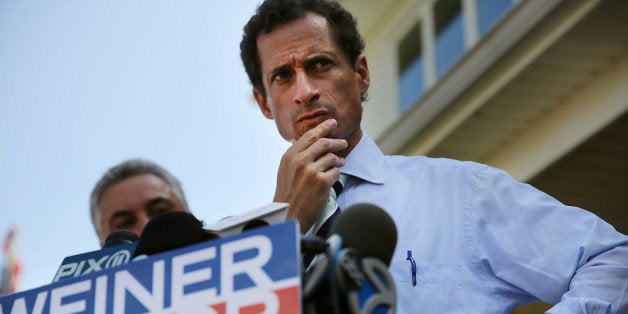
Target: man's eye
(120, 224)
(321, 64)
(280, 76)
(154, 212)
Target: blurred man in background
(129, 194)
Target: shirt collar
(365, 161)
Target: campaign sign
(85, 263)
(253, 272)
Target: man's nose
(142, 220)
(305, 89)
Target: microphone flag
(257, 271)
(85, 263)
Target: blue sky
(87, 84)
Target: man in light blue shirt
(481, 242)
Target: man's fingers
(327, 145)
(310, 137)
(327, 162)
(332, 175)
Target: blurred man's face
(130, 204)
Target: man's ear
(263, 104)
(364, 76)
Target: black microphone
(352, 275)
(171, 230)
(313, 245)
(120, 237)
(368, 229)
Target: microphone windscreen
(120, 237)
(368, 229)
(169, 231)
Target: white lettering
(124, 281)
(19, 306)
(94, 265)
(79, 269)
(100, 298)
(65, 270)
(118, 258)
(40, 302)
(251, 267)
(57, 295)
(180, 278)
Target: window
(490, 12)
(423, 63)
(449, 34)
(411, 81)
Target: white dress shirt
(483, 242)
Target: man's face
(128, 205)
(308, 80)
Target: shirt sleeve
(538, 246)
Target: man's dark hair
(274, 13)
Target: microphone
(171, 230)
(313, 245)
(120, 237)
(117, 250)
(352, 275)
(175, 229)
(368, 229)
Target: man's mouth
(314, 115)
